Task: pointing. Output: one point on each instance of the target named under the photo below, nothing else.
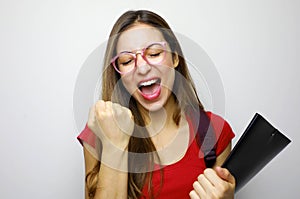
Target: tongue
(149, 90)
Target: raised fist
(112, 123)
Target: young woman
(140, 138)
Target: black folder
(258, 145)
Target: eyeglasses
(153, 54)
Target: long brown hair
(113, 90)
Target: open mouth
(150, 89)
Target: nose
(141, 64)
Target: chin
(153, 105)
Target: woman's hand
(112, 123)
(214, 184)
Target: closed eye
(155, 54)
(126, 63)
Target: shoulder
(223, 131)
(218, 122)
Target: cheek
(169, 77)
(127, 82)
(169, 60)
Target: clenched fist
(112, 123)
(215, 183)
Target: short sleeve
(224, 133)
(90, 141)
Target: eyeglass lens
(153, 54)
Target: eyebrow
(147, 45)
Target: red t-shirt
(179, 177)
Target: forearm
(111, 183)
(113, 175)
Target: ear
(175, 59)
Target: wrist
(114, 157)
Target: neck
(158, 120)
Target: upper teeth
(147, 83)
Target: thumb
(225, 175)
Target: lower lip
(153, 96)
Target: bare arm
(222, 157)
(90, 163)
(112, 183)
(113, 124)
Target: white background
(254, 44)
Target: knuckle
(200, 177)
(108, 104)
(208, 171)
(195, 184)
(193, 194)
(99, 104)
